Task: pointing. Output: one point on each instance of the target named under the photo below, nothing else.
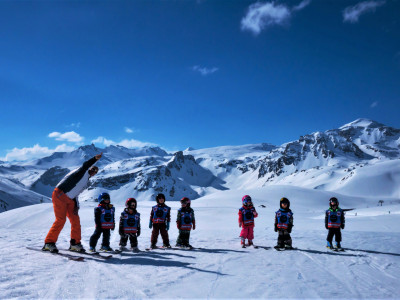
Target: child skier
(247, 213)
(160, 218)
(283, 224)
(185, 221)
(129, 225)
(104, 217)
(334, 221)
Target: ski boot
(92, 250)
(76, 247)
(188, 246)
(329, 245)
(50, 247)
(106, 249)
(338, 247)
(135, 249)
(153, 246)
(166, 246)
(279, 247)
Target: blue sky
(199, 73)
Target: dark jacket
(97, 214)
(290, 220)
(342, 218)
(121, 223)
(71, 180)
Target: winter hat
(159, 196)
(102, 197)
(128, 202)
(246, 199)
(284, 200)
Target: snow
(220, 268)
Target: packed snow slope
(220, 268)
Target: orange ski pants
(63, 208)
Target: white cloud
(70, 136)
(351, 14)
(34, 152)
(104, 141)
(302, 5)
(261, 15)
(134, 143)
(204, 71)
(128, 130)
(374, 104)
(131, 143)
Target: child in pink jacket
(247, 213)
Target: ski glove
(138, 232)
(150, 224)
(167, 225)
(275, 228)
(342, 226)
(240, 224)
(194, 226)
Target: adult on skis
(65, 204)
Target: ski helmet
(103, 196)
(159, 196)
(246, 199)
(284, 200)
(333, 201)
(185, 200)
(129, 201)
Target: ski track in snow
(220, 268)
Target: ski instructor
(65, 204)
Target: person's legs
(94, 238)
(60, 212)
(73, 217)
(106, 238)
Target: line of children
(160, 218)
(334, 222)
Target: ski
(284, 248)
(158, 248)
(96, 254)
(69, 256)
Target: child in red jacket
(247, 213)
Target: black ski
(96, 254)
(69, 256)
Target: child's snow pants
(157, 229)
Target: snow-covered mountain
(351, 159)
